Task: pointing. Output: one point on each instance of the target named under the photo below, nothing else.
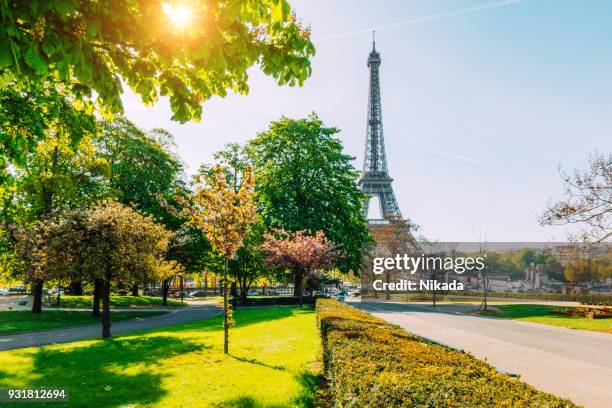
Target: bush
(590, 312)
(371, 363)
(585, 299)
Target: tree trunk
(37, 290)
(225, 322)
(244, 289)
(298, 286)
(106, 324)
(165, 287)
(97, 294)
(135, 289)
(76, 288)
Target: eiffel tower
(375, 180)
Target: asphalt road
(41, 338)
(574, 364)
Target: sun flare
(179, 14)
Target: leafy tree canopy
(143, 170)
(304, 181)
(96, 46)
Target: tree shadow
(310, 394)
(244, 317)
(99, 374)
(245, 401)
(260, 363)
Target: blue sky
(482, 100)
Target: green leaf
(33, 59)
(48, 48)
(6, 56)
(65, 6)
(93, 28)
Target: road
(574, 364)
(41, 338)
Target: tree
(189, 247)
(96, 47)
(304, 181)
(527, 257)
(144, 172)
(121, 245)
(579, 271)
(224, 215)
(46, 145)
(249, 265)
(53, 248)
(300, 252)
(109, 243)
(588, 200)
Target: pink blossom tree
(300, 252)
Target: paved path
(14, 341)
(574, 364)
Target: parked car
(253, 292)
(4, 292)
(16, 290)
(198, 293)
(54, 290)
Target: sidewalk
(93, 331)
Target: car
(4, 292)
(253, 292)
(16, 289)
(198, 293)
(55, 290)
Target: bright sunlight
(179, 14)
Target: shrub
(371, 363)
(591, 313)
(586, 299)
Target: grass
(115, 301)
(24, 320)
(271, 364)
(540, 314)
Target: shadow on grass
(96, 375)
(243, 318)
(260, 363)
(245, 401)
(310, 389)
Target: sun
(179, 14)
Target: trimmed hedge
(585, 299)
(371, 363)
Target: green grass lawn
(273, 362)
(540, 314)
(24, 320)
(115, 301)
